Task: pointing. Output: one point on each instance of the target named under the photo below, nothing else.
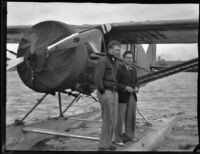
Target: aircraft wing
(147, 32)
(15, 33)
(155, 32)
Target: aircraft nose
(40, 71)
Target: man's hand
(130, 89)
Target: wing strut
(168, 71)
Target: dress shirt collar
(128, 67)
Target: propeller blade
(75, 40)
(12, 52)
(92, 35)
(14, 62)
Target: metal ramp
(185, 66)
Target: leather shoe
(119, 143)
(130, 139)
(102, 149)
(112, 148)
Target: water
(171, 96)
(176, 93)
(20, 99)
(167, 97)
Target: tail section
(143, 60)
(151, 54)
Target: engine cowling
(50, 72)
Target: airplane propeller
(51, 53)
(93, 36)
(14, 62)
(77, 39)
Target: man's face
(115, 50)
(128, 58)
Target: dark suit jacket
(126, 78)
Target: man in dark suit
(127, 89)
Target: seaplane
(54, 57)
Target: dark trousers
(109, 108)
(126, 119)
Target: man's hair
(127, 52)
(114, 43)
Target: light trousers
(109, 108)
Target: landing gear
(77, 96)
(21, 122)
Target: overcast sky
(29, 13)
